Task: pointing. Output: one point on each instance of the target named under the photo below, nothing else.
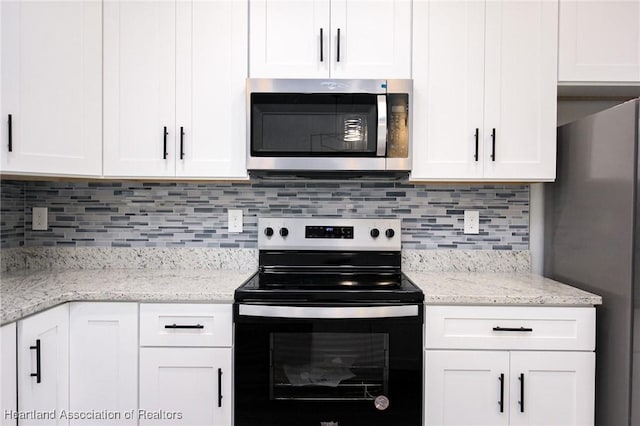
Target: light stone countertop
(498, 288)
(28, 292)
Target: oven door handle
(382, 126)
(317, 312)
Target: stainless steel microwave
(329, 125)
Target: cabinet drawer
(185, 324)
(467, 327)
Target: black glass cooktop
(342, 287)
(338, 277)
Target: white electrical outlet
(471, 222)
(39, 220)
(235, 221)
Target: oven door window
(302, 125)
(329, 366)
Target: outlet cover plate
(471, 222)
(235, 221)
(39, 218)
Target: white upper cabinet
(520, 90)
(139, 88)
(211, 72)
(289, 38)
(51, 86)
(599, 41)
(330, 38)
(484, 90)
(373, 38)
(174, 88)
(448, 89)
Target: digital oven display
(343, 232)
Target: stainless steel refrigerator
(592, 241)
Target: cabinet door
(285, 39)
(103, 360)
(51, 87)
(191, 385)
(211, 67)
(8, 366)
(520, 89)
(464, 388)
(557, 388)
(448, 73)
(373, 38)
(44, 385)
(599, 41)
(139, 88)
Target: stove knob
(389, 233)
(374, 233)
(284, 232)
(268, 231)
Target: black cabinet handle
(37, 374)
(493, 145)
(219, 387)
(321, 45)
(501, 402)
(527, 329)
(10, 131)
(164, 149)
(187, 326)
(477, 135)
(338, 47)
(521, 402)
(182, 143)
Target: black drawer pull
(164, 142)
(10, 135)
(191, 326)
(219, 387)
(512, 329)
(521, 402)
(321, 45)
(182, 143)
(475, 156)
(501, 402)
(493, 145)
(38, 372)
(338, 49)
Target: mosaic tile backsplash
(135, 214)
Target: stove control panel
(345, 232)
(329, 234)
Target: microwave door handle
(382, 126)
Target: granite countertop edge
(26, 293)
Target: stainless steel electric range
(328, 332)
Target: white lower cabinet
(185, 364)
(463, 388)
(517, 366)
(103, 363)
(43, 367)
(552, 388)
(8, 372)
(185, 386)
(509, 388)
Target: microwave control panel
(397, 125)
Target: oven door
(318, 365)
